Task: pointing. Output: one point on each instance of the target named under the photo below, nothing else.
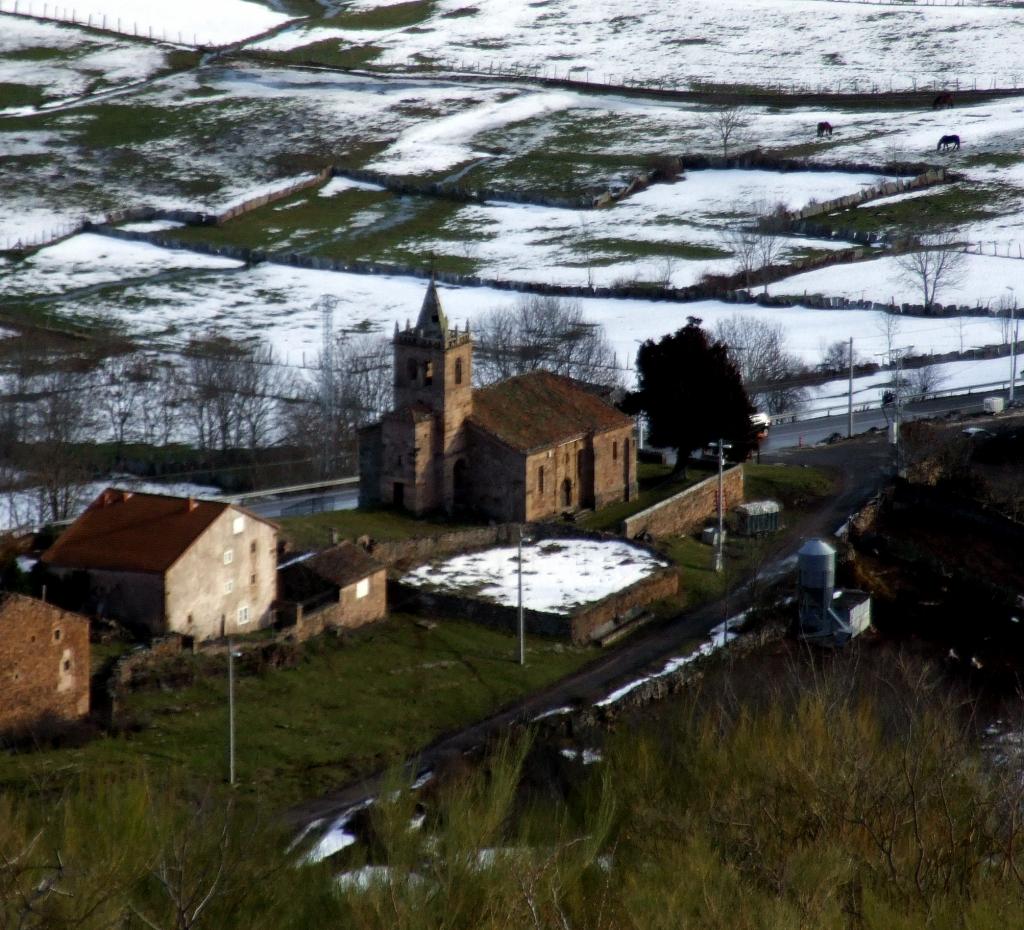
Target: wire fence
(98, 20)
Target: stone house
(339, 587)
(44, 663)
(527, 448)
(171, 564)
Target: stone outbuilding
(166, 564)
(44, 663)
(524, 449)
(338, 587)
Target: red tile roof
(126, 531)
(541, 409)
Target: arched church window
(428, 372)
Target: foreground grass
(350, 707)
(840, 792)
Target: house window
(229, 556)
(458, 371)
(411, 368)
(252, 547)
(243, 614)
(229, 586)
(252, 579)
(56, 636)
(428, 373)
(540, 479)
(67, 665)
(615, 450)
(238, 525)
(189, 621)
(362, 588)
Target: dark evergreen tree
(692, 394)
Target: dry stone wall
(687, 510)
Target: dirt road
(861, 465)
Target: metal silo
(816, 566)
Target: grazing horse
(942, 102)
(824, 129)
(948, 142)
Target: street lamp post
(231, 713)
(1013, 345)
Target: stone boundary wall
(580, 626)
(929, 178)
(684, 512)
(261, 200)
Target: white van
(760, 422)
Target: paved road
(301, 504)
(861, 464)
(809, 432)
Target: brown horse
(942, 102)
(824, 129)
(948, 142)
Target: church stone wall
(614, 466)
(496, 478)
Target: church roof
(432, 323)
(540, 409)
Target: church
(527, 448)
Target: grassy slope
(314, 531)
(352, 706)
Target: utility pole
(849, 400)
(722, 446)
(522, 624)
(231, 713)
(1013, 349)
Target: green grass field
(314, 531)
(352, 705)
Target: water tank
(816, 563)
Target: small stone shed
(338, 587)
(44, 663)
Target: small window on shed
(238, 525)
(67, 665)
(229, 556)
(56, 636)
(362, 588)
(458, 371)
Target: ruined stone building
(167, 564)
(527, 448)
(44, 663)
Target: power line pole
(849, 402)
(231, 713)
(722, 446)
(521, 624)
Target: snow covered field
(61, 62)
(192, 22)
(810, 42)
(276, 302)
(558, 575)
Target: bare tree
(889, 327)
(547, 333)
(924, 380)
(120, 392)
(758, 350)
(759, 246)
(836, 356)
(730, 124)
(330, 409)
(935, 264)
